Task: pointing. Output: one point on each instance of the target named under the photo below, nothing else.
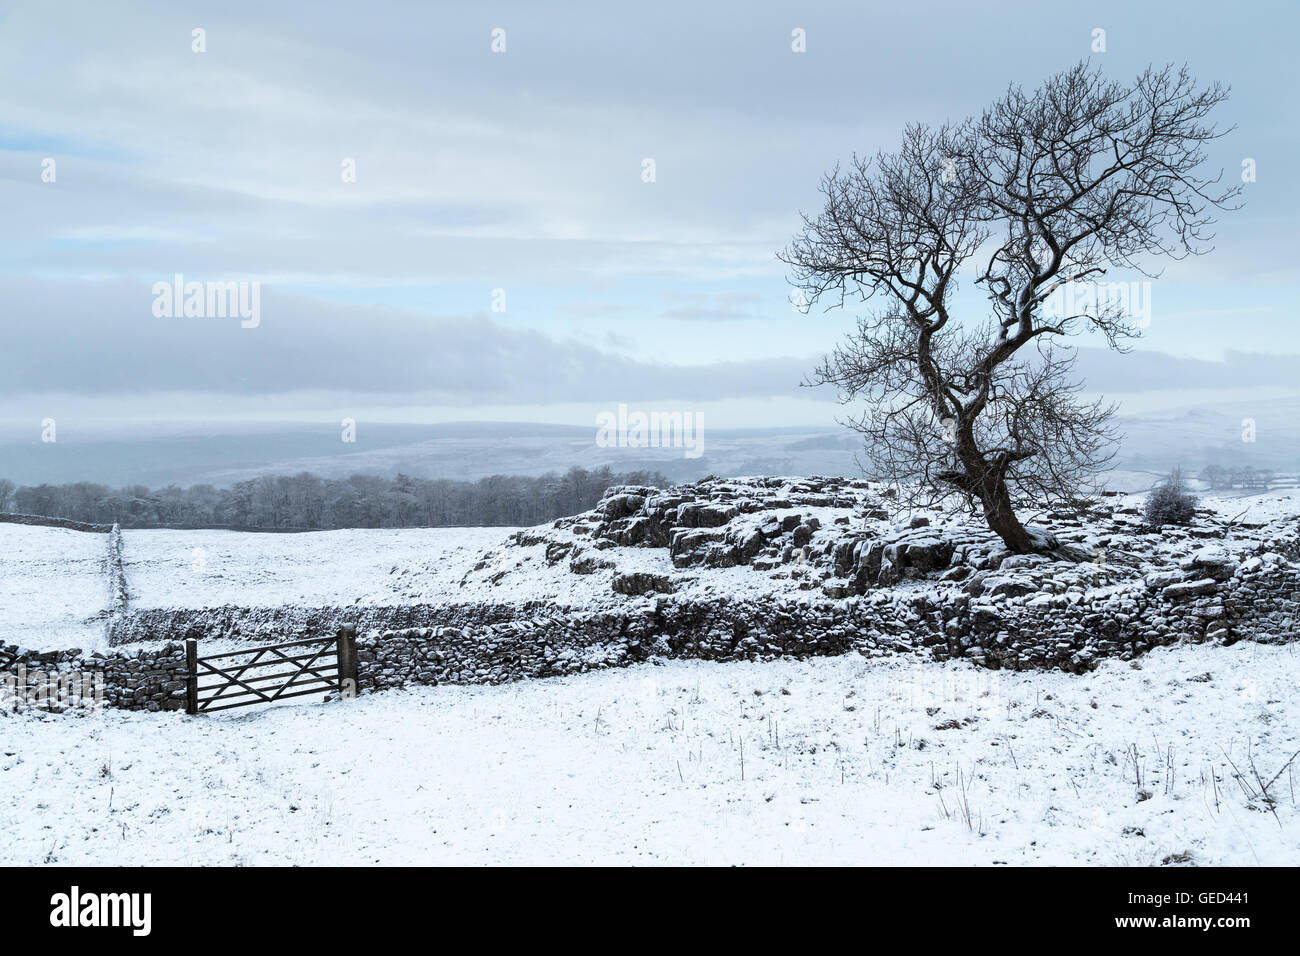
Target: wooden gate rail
(331, 665)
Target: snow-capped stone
(641, 583)
(1013, 561)
(1191, 589)
(1010, 585)
(1162, 579)
(1212, 561)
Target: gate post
(347, 652)
(192, 677)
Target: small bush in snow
(1170, 502)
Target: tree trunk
(987, 481)
(999, 514)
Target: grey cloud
(713, 307)
(707, 314)
(101, 338)
(596, 309)
(1107, 371)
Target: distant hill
(1192, 437)
(1205, 434)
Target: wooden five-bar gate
(262, 675)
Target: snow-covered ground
(53, 586)
(212, 568)
(832, 760)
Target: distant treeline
(1221, 477)
(307, 502)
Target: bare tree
(1040, 191)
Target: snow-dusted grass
(1243, 506)
(53, 586)
(792, 762)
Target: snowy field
(53, 586)
(840, 760)
(212, 568)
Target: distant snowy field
(53, 586)
(821, 761)
(211, 568)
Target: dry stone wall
(1261, 605)
(151, 679)
(45, 521)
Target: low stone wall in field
(149, 679)
(1262, 604)
(43, 521)
(117, 590)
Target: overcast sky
(522, 171)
